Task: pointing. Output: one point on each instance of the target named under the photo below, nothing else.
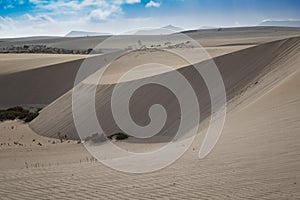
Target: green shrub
(118, 136)
(18, 113)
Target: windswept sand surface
(22, 148)
(13, 62)
(212, 37)
(38, 79)
(35, 79)
(239, 71)
(37, 86)
(256, 157)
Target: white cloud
(94, 10)
(152, 4)
(10, 4)
(6, 23)
(133, 1)
(59, 5)
(39, 18)
(35, 1)
(79, 5)
(77, 15)
(99, 14)
(97, 3)
(8, 27)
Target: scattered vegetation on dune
(38, 48)
(99, 138)
(20, 113)
(118, 136)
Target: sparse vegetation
(165, 45)
(61, 137)
(20, 113)
(118, 136)
(37, 48)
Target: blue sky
(58, 17)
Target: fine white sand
(256, 157)
(15, 62)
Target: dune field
(256, 157)
(42, 78)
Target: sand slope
(239, 71)
(211, 37)
(257, 157)
(38, 79)
(12, 62)
(39, 86)
(21, 148)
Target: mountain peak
(173, 28)
(84, 34)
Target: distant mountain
(173, 28)
(84, 34)
(160, 31)
(287, 23)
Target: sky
(20, 18)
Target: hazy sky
(58, 17)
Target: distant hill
(84, 34)
(173, 28)
(169, 29)
(287, 23)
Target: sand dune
(21, 148)
(12, 62)
(257, 156)
(211, 37)
(35, 79)
(239, 71)
(39, 79)
(37, 87)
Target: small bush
(118, 136)
(30, 117)
(18, 113)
